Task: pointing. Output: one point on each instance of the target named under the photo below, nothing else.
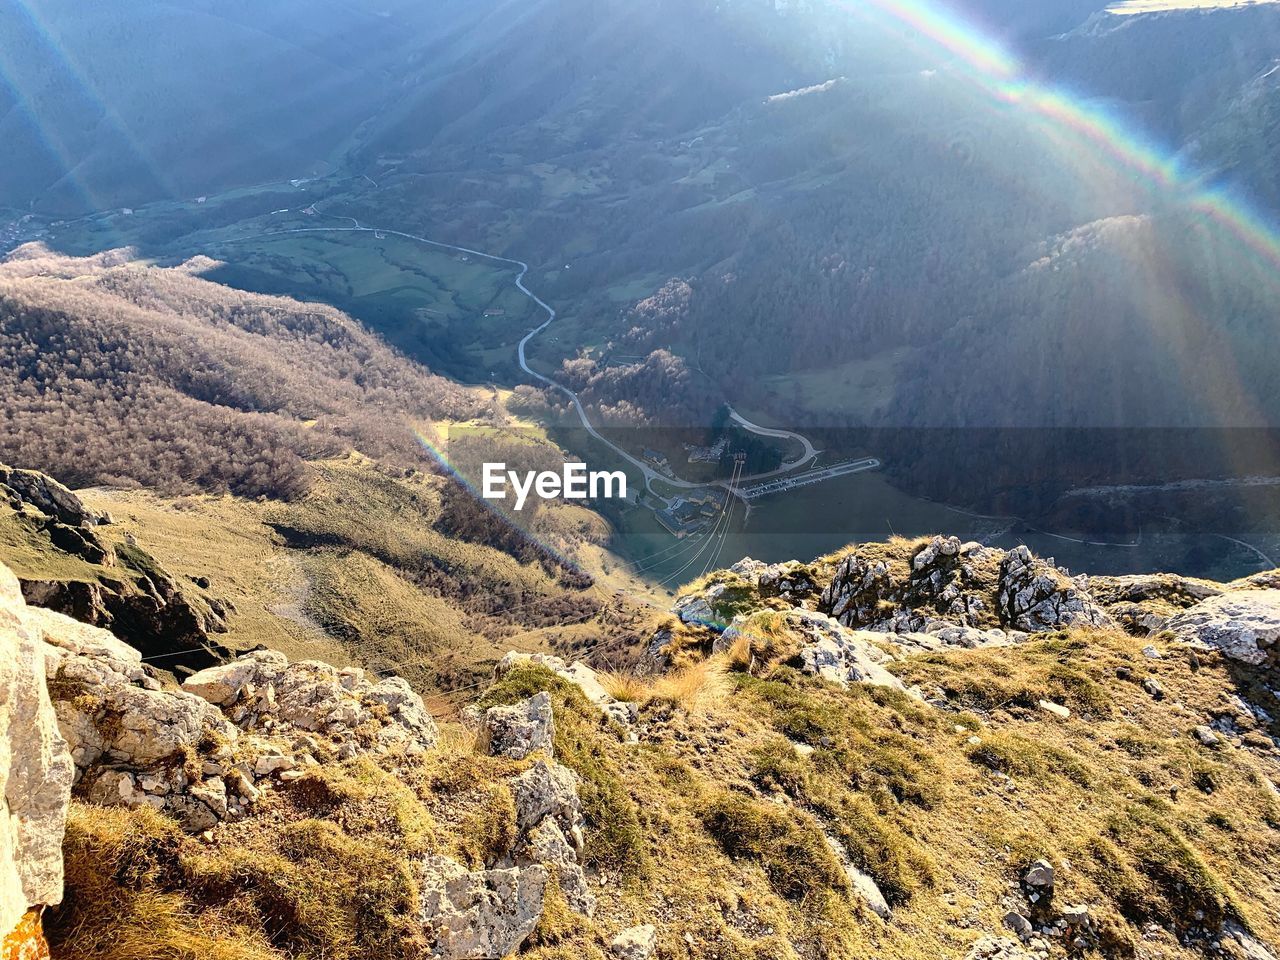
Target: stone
(1040, 875)
(841, 655)
(315, 697)
(1019, 925)
(547, 790)
(1206, 736)
(222, 684)
(1055, 709)
(1035, 596)
(861, 883)
(520, 730)
(547, 844)
(1153, 687)
(1244, 625)
(635, 943)
(577, 673)
(36, 770)
(480, 914)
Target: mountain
(115, 371)
(282, 452)
(905, 749)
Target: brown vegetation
(122, 373)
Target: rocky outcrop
(129, 592)
(479, 914)
(1034, 596)
(520, 730)
(576, 673)
(824, 648)
(1244, 625)
(946, 585)
(205, 754)
(263, 691)
(549, 817)
(43, 493)
(144, 607)
(490, 912)
(792, 581)
(35, 775)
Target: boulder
(221, 685)
(1039, 876)
(63, 636)
(479, 914)
(1035, 596)
(108, 717)
(520, 730)
(1243, 624)
(36, 773)
(635, 943)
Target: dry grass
(121, 868)
(626, 687)
(701, 687)
(714, 821)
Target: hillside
(919, 748)
(114, 371)
(284, 454)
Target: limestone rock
(965, 588)
(635, 943)
(863, 885)
(1035, 596)
(577, 673)
(1243, 624)
(221, 685)
(546, 844)
(549, 817)
(520, 730)
(480, 914)
(315, 697)
(63, 635)
(696, 610)
(105, 716)
(548, 790)
(842, 655)
(35, 769)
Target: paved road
(649, 473)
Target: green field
(430, 303)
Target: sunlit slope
(114, 104)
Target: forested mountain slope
(113, 371)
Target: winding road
(808, 452)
